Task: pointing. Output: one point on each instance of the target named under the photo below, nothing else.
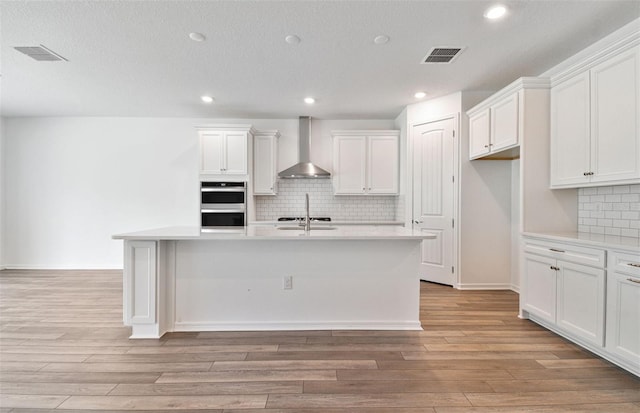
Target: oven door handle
(218, 189)
(216, 211)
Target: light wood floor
(63, 348)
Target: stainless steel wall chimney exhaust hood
(304, 168)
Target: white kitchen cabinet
(504, 123)
(539, 286)
(595, 133)
(265, 162)
(365, 162)
(497, 124)
(623, 308)
(479, 134)
(224, 150)
(570, 149)
(564, 285)
(580, 301)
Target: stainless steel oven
(223, 206)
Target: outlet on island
(287, 282)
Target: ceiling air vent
(442, 55)
(40, 53)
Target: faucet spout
(307, 220)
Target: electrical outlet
(287, 282)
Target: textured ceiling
(134, 58)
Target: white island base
(223, 283)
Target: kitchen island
(270, 278)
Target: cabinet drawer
(625, 263)
(572, 253)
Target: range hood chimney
(304, 168)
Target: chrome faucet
(307, 220)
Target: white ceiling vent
(40, 53)
(443, 54)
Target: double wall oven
(223, 206)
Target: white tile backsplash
(610, 210)
(290, 202)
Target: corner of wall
(2, 206)
(400, 123)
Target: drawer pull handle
(555, 250)
(555, 268)
(633, 264)
(633, 281)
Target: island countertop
(272, 232)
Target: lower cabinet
(567, 289)
(580, 300)
(568, 294)
(623, 308)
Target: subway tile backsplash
(610, 210)
(290, 202)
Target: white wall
(485, 199)
(2, 174)
(515, 225)
(71, 183)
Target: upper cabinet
(595, 123)
(366, 162)
(495, 125)
(265, 162)
(223, 150)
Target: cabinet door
(349, 157)
(580, 301)
(236, 153)
(615, 114)
(479, 134)
(264, 169)
(382, 165)
(623, 315)
(539, 293)
(570, 131)
(211, 152)
(504, 123)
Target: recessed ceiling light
(197, 37)
(292, 39)
(309, 101)
(495, 12)
(206, 99)
(381, 39)
(420, 95)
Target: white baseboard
(57, 267)
(293, 325)
(515, 288)
(484, 286)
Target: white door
(434, 160)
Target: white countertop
(330, 223)
(271, 232)
(593, 240)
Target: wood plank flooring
(63, 349)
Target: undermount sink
(298, 228)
